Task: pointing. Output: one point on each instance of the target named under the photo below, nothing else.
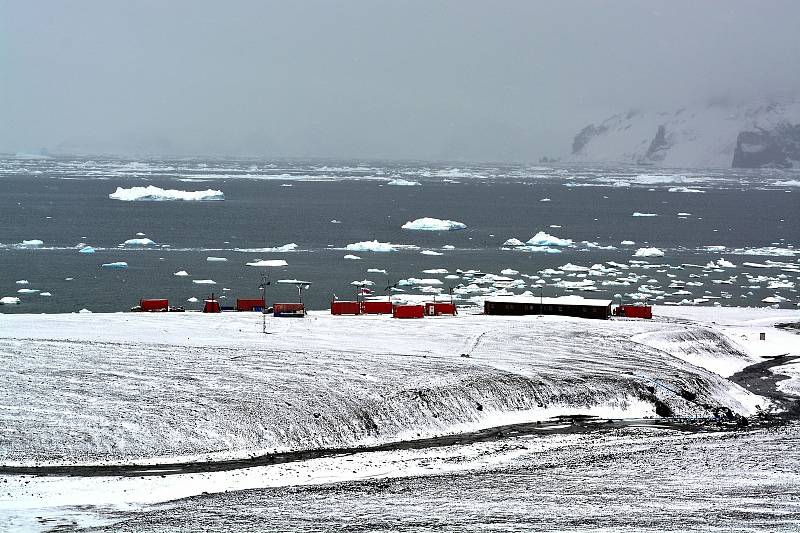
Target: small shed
(408, 311)
(634, 311)
(340, 307)
(440, 309)
(154, 304)
(249, 304)
(211, 306)
(376, 307)
(289, 310)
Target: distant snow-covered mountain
(717, 134)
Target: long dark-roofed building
(563, 305)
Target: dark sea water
(742, 216)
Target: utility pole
(263, 287)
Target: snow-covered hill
(716, 134)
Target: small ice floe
(638, 214)
(22, 282)
(286, 185)
(418, 281)
(684, 189)
(399, 182)
(45, 294)
(351, 256)
(433, 224)
(430, 252)
(192, 299)
(140, 242)
(115, 264)
(513, 242)
(720, 263)
(140, 234)
(684, 214)
(545, 239)
(569, 267)
(32, 243)
(290, 247)
(157, 194)
(216, 259)
(554, 226)
(204, 281)
(87, 250)
(376, 270)
(628, 243)
(363, 283)
(9, 300)
(509, 272)
(649, 252)
(371, 246)
(448, 247)
(84, 311)
(181, 273)
(776, 299)
(545, 200)
(435, 271)
(28, 291)
(334, 221)
(268, 263)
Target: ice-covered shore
(158, 386)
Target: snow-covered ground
(98, 389)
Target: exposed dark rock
(585, 135)
(659, 146)
(776, 148)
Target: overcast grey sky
(371, 79)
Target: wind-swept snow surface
(325, 382)
(152, 193)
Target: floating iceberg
(192, 299)
(376, 270)
(139, 242)
(433, 224)
(45, 294)
(418, 281)
(216, 259)
(648, 252)
(157, 194)
(371, 246)
(638, 214)
(204, 281)
(627, 243)
(115, 264)
(22, 282)
(430, 252)
(545, 239)
(33, 243)
(513, 242)
(268, 263)
(9, 300)
(181, 273)
(87, 250)
(28, 291)
(403, 183)
(351, 256)
(285, 248)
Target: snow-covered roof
(560, 300)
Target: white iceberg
(509, 272)
(45, 294)
(84, 311)
(204, 281)
(9, 300)
(545, 200)
(371, 246)
(216, 259)
(192, 299)
(351, 256)
(545, 239)
(376, 270)
(87, 250)
(32, 243)
(181, 273)
(403, 183)
(430, 252)
(433, 224)
(418, 281)
(649, 252)
(638, 214)
(115, 264)
(627, 243)
(28, 291)
(268, 263)
(22, 282)
(513, 242)
(290, 247)
(157, 194)
(139, 242)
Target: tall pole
(541, 300)
(264, 302)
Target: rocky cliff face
(753, 135)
